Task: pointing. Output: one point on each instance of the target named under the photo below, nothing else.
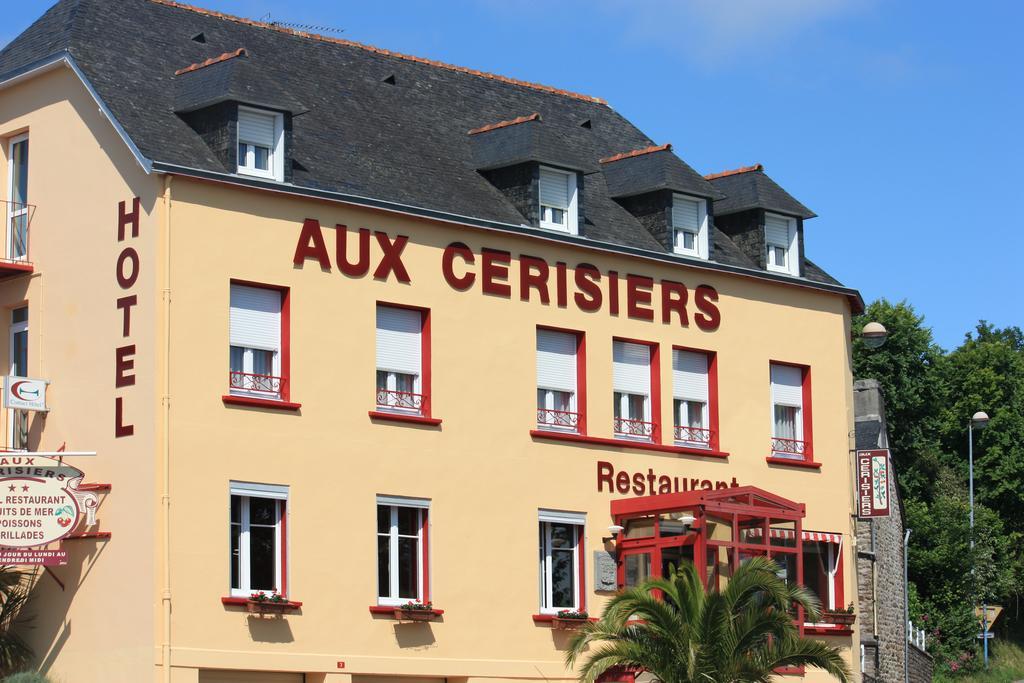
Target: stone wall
(882, 601)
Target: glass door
(17, 206)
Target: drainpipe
(906, 611)
(165, 498)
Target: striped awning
(815, 536)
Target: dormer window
(260, 143)
(690, 226)
(558, 200)
(780, 240)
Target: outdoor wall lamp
(874, 335)
(614, 530)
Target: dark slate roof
(369, 123)
(654, 168)
(751, 188)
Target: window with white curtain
(401, 525)
(690, 398)
(260, 143)
(558, 200)
(255, 341)
(690, 226)
(399, 358)
(559, 543)
(780, 238)
(556, 380)
(787, 410)
(257, 537)
(631, 383)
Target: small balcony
(697, 437)
(14, 257)
(640, 430)
(399, 401)
(558, 420)
(256, 386)
(790, 449)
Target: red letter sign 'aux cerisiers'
(127, 274)
(499, 274)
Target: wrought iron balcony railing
(266, 386)
(789, 448)
(693, 435)
(399, 400)
(557, 419)
(633, 429)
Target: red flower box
(568, 623)
(845, 618)
(403, 614)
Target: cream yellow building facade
(130, 304)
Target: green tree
(905, 367)
(682, 633)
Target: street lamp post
(980, 419)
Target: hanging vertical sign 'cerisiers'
(873, 483)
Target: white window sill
(693, 444)
(256, 173)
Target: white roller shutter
(556, 360)
(787, 385)
(554, 189)
(398, 339)
(776, 230)
(631, 368)
(690, 375)
(256, 128)
(255, 318)
(685, 214)
(562, 517)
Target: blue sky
(901, 124)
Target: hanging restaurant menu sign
(40, 503)
(873, 483)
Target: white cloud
(717, 32)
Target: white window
(558, 200)
(17, 207)
(257, 538)
(260, 143)
(401, 527)
(17, 420)
(399, 358)
(256, 341)
(556, 380)
(787, 410)
(631, 382)
(560, 536)
(690, 394)
(690, 226)
(780, 239)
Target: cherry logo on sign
(25, 393)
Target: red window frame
(284, 402)
(581, 375)
(655, 370)
(426, 407)
(712, 356)
(806, 418)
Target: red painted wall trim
(655, 368)
(398, 417)
(425, 371)
(581, 373)
(805, 387)
(235, 600)
(252, 402)
(623, 443)
(840, 580)
(712, 357)
(95, 487)
(425, 550)
(283, 511)
(286, 336)
(793, 463)
(390, 609)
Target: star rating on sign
(25, 488)
(12, 487)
